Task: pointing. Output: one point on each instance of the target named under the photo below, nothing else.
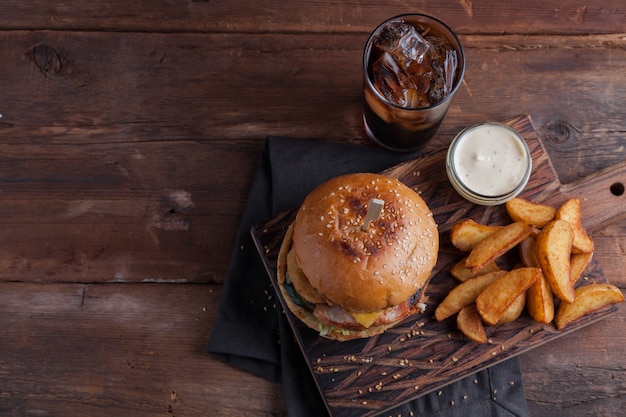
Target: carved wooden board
(367, 377)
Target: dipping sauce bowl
(488, 163)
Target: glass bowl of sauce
(489, 163)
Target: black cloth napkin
(253, 334)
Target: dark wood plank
(117, 212)
(228, 89)
(532, 16)
(581, 374)
(119, 349)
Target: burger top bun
(370, 269)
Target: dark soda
(413, 66)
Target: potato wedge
(589, 298)
(521, 210)
(528, 252)
(578, 263)
(462, 273)
(540, 301)
(570, 212)
(494, 300)
(554, 246)
(514, 310)
(496, 244)
(466, 234)
(469, 322)
(464, 294)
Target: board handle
(601, 194)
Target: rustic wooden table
(129, 137)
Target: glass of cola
(413, 65)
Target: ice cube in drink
(413, 65)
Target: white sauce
(490, 160)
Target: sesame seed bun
(348, 281)
(372, 269)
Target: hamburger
(348, 277)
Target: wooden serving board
(367, 377)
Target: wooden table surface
(129, 137)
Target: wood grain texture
(115, 115)
(533, 16)
(422, 355)
(122, 349)
(125, 136)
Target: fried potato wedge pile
(554, 251)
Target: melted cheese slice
(366, 319)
